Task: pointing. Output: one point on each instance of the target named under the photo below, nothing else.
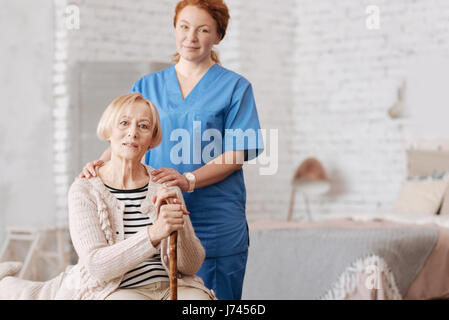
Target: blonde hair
(112, 111)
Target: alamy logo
(234, 139)
(374, 278)
(72, 17)
(373, 19)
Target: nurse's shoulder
(151, 80)
(233, 77)
(235, 82)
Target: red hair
(217, 10)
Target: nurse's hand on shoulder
(89, 169)
(172, 177)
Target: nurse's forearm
(106, 156)
(219, 168)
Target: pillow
(422, 195)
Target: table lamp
(310, 179)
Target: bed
(370, 255)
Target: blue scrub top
(194, 131)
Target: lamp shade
(311, 177)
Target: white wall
(26, 153)
(347, 77)
(266, 34)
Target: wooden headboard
(427, 162)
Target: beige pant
(157, 291)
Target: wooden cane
(173, 266)
(173, 269)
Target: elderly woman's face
(196, 33)
(131, 134)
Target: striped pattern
(151, 270)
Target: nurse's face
(131, 133)
(196, 34)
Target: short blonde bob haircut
(110, 115)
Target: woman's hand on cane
(170, 217)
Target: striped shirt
(151, 270)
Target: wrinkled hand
(170, 217)
(89, 169)
(172, 177)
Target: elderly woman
(119, 225)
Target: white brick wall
(265, 47)
(347, 78)
(319, 75)
(63, 143)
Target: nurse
(210, 127)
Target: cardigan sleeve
(104, 261)
(190, 250)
